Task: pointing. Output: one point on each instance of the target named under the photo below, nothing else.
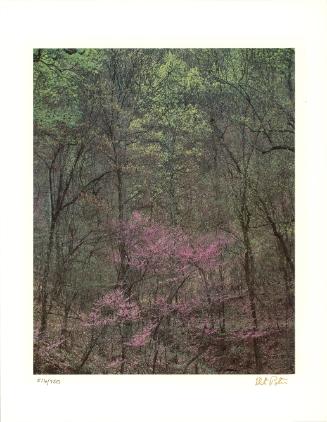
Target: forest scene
(164, 211)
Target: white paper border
(217, 24)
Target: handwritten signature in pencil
(272, 380)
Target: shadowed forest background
(163, 211)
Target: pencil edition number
(48, 381)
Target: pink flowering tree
(166, 304)
(155, 249)
(109, 316)
(167, 311)
(167, 265)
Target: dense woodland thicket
(163, 211)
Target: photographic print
(164, 211)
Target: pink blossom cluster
(157, 248)
(114, 364)
(112, 308)
(202, 252)
(249, 334)
(142, 338)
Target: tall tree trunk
(279, 236)
(45, 279)
(249, 280)
(222, 321)
(171, 170)
(123, 268)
